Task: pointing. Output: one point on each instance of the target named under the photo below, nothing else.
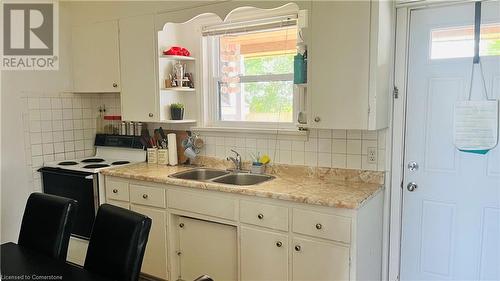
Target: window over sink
(251, 71)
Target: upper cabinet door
(96, 65)
(348, 73)
(139, 95)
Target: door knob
(412, 186)
(413, 166)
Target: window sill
(281, 134)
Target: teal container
(299, 69)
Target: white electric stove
(80, 180)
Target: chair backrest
(46, 225)
(117, 243)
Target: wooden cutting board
(180, 136)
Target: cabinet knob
(181, 225)
(145, 196)
(115, 85)
(297, 248)
(260, 216)
(115, 190)
(151, 115)
(279, 244)
(319, 226)
(317, 119)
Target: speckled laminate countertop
(337, 188)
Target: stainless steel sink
(200, 174)
(221, 176)
(243, 179)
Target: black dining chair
(117, 243)
(46, 225)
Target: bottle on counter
(130, 128)
(138, 128)
(99, 121)
(123, 128)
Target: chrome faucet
(236, 160)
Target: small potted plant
(177, 111)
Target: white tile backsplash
(323, 148)
(61, 126)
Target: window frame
(213, 98)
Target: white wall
(15, 84)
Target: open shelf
(184, 121)
(179, 89)
(170, 57)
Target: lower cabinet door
(314, 260)
(207, 248)
(264, 255)
(155, 257)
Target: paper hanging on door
(476, 126)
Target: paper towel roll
(172, 149)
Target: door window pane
(458, 42)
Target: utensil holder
(255, 169)
(163, 156)
(152, 155)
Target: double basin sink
(221, 176)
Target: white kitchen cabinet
(139, 95)
(349, 64)
(264, 255)
(314, 260)
(203, 225)
(207, 248)
(124, 205)
(155, 257)
(96, 63)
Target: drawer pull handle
(297, 248)
(145, 196)
(279, 244)
(260, 216)
(319, 226)
(115, 190)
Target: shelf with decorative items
(177, 58)
(179, 89)
(185, 121)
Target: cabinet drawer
(117, 190)
(147, 195)
(322, 225)
(121, 204)
(265, 215)
(202, 204)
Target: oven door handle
(65, 173)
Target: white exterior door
(451, 220)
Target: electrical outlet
(372, 155)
